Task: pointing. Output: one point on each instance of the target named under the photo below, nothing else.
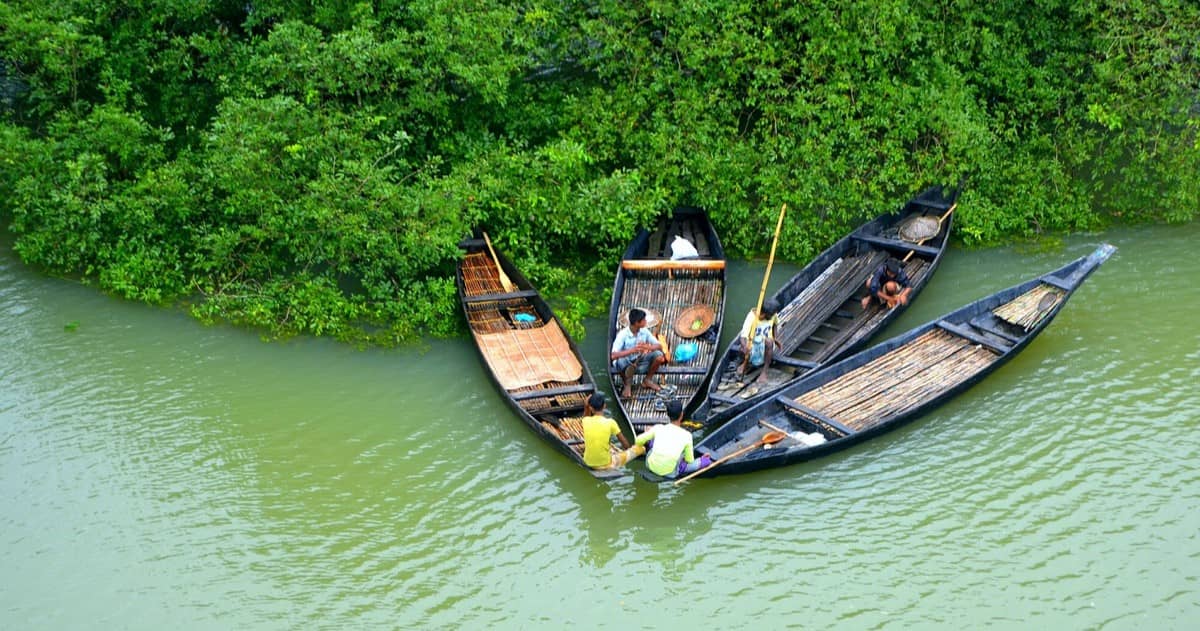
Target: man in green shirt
(671, 452)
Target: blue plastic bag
(686, 351)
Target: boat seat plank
(1057, 282)
(987, 327)
(803, 409)
(894, 243)
(720, 398)
(795, 363)
(936, 205)
(523, 293)
(573, 408)
(968, 334)
(631, 264)
(671, 370)
(552, 392)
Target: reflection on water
(160, 473)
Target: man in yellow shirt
(756, 341)
(598, 431)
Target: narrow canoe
(821, 318)
(898, 380)
(685, 300)
(528, 355)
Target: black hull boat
(821, 318)
(887, 385)
(684, 300)
(528, 355)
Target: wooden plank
(552, 392)
(793, 362)
(788, 403)
(1057, 282)
(716, 396)
(988, 328)
(555, 410)
(701, 242)
(968, 334)
(656, 240)
(936, 205)
(666, 265)
(524, 293)
(893, 243)
(670, 370)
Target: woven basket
(694, 321)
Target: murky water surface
(156, 473)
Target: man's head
(637, 318)
(892, 267)
(596, 401)
(675, 411)
(769, 309)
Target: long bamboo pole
(762, 293)
(770, 260)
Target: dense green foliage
(310, 169)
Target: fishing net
(919, 228)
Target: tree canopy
(309, 167)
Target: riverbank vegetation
(309, 167)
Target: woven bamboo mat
(527, 357)
(479, 275)
(899, 381)
(1023, 310)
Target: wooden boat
(671, 290)
(821, 318)
(884, 386)
(528, 355)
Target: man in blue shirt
(635, 350)
(889, 284)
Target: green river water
(157, 473)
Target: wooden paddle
(762, 293)
(770, 438)
(1049, 299)
(939, 229)
(767, 425)
(508, 286)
